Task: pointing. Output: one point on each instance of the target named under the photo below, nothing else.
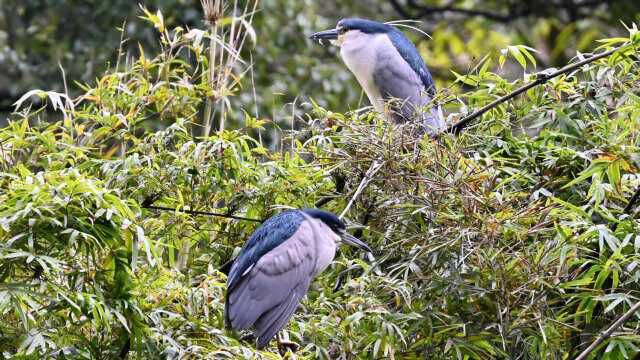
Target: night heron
(275, 267)
(389, 69)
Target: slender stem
(221, 81)
(542, 78)
(255, 98)
(212, 9)
(632, 202)
(208, 116)
(293, 125)
(373, 169)
(607, 333)
(195, 212)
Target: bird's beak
(354, 241)
(325, 35)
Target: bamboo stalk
(607, 333)
(541, 79)
(212, 13)
(373, 169)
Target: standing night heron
(389, 69)
(275, 267)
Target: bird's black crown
(364, 25)
(328, 218)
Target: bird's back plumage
(411, 55)
(273, 272)
(269, 235)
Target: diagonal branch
(424, 10)
(368, 176)
(632, 202)
(541, 79)
(607, 333)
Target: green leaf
(595, 168)
(517, 54)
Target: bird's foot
(248, 338)
(284, 346)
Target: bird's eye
(341, 31)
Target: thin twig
(373, 169)
(414, 10)
(628, 209)
(122, 40)
(324, 201)
(195, 212)
(621, 320)
(541, 79)
(632, 202)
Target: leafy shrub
(488, 244)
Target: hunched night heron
(275, 268)
(389, 69)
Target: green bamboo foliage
(508, 241)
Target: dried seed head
(212, 11)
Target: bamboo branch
(632, 202)
(621, 320)
(212, 13)
(575, 9)
(541, 79)
(373, 169)
(195, 212)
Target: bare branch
(194, 212)
(375, 166)
(541, 79)
(632, 202)
(414, 10)
(621, 320)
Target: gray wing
(268, 294)
(399, 84)
(275, 319)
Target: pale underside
(391, 85)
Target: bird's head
(352, 29)
(338, 227)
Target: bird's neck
(326, 244)
(360, 55)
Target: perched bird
(275, 267)
(389, 69)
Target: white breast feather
(326, 244)
(359, 51)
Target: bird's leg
(248, 338)
(285, 344)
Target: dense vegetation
(82, 36)
(508, 240)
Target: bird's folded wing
(275, 319)
(395, 78)
(397, 82)
(267, 295)
(411, 56)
